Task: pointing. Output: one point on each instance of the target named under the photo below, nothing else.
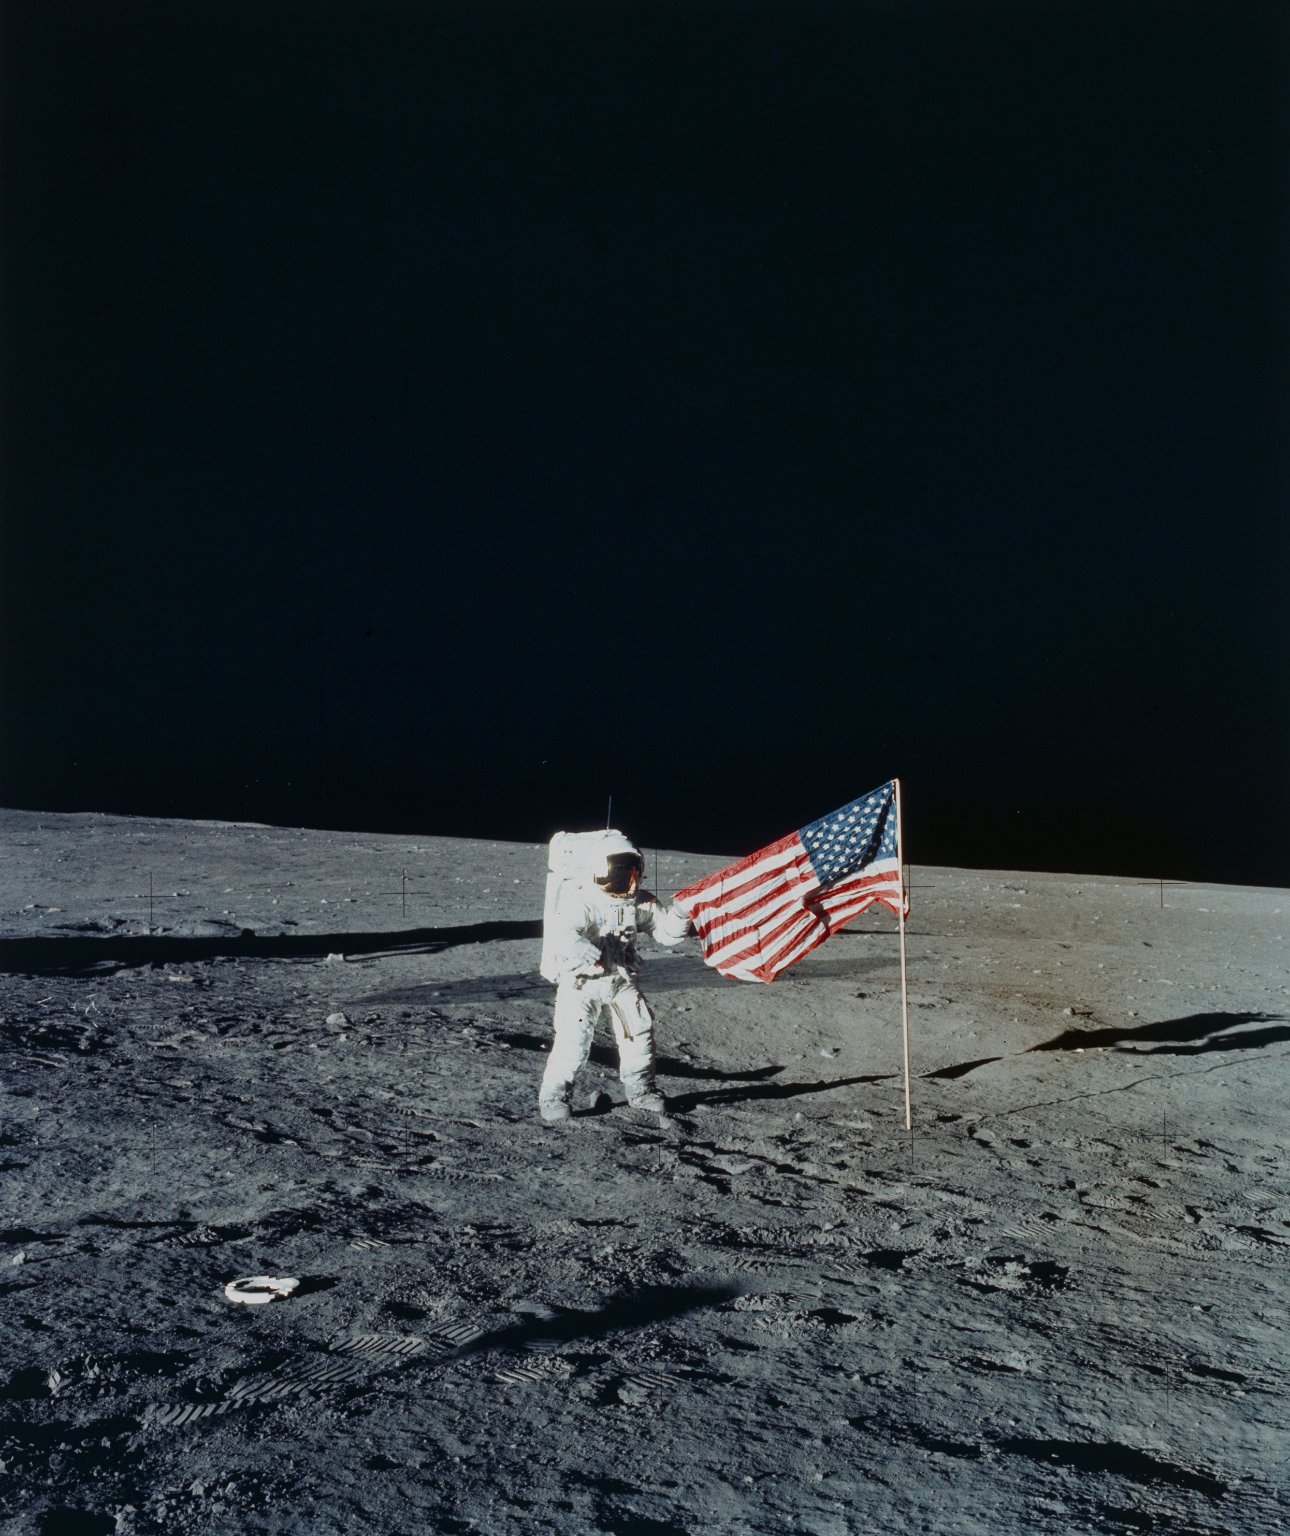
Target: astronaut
(595, 910)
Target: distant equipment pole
(904, 979)
(609, 814)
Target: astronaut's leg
(576, 1010)
(634, 1032)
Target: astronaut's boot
(553, 1102)
(642, 1094)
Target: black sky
(440, 417)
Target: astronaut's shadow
(754, 1080)
(626, 1312)
(683, 1103)
(603, 1055)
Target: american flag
(759, 916)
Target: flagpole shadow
(948, 1074)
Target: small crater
(831, 1317)
(1016, 1273)
(981, 1363)
(889, 1258)
(1049, 1274)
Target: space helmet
(606, 859)
(621, 875)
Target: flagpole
(904, 979)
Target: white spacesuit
(594, 913)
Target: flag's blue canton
(856, 835)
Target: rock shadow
(1119, 1460)
(1194, 1034)
(62, 956)
(1093, 1458)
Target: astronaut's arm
(665, 925)
(578, 954)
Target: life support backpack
(575, 858)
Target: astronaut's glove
(682, 916)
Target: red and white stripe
(758, 916)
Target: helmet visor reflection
(624, 874)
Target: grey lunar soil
(228, 1051)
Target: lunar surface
(236, 1056)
